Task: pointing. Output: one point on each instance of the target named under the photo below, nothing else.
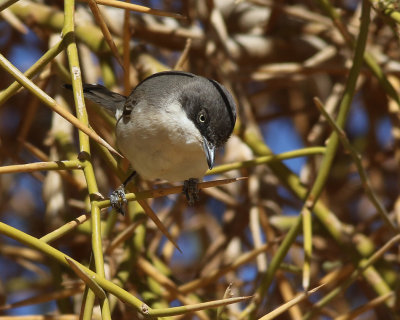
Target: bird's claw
(118, 199)
(191, 190)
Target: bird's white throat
(163, 143)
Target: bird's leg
(117, 197)
(191, 190)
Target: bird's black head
(211, 108)
(206, 103)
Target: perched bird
(169, 126)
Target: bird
(169, 127)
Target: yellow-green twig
(266, 159)
(98, 291)
(361, 171)
(307, 245)
(227, 294)
(97, 249)
(106, 284)
(157, 193)
(126, 55)
(40, 166)
(138, 8)
(50, 102)
(34, 69)
(368, 58)
(64, 229)
(387, 7)
(6, 3)
(370, 305)
(194, 307)
(57, 255)
(213, 275)
(363, 266)
(286, 306)
(104, 28)
(323, 173)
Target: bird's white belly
(166, 145)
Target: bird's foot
(191, 190)
(118, 199)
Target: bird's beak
(209, 150)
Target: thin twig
(50, 102)
(104, 28)
(168, 191)
(184, 55)
(360, 168)
(138, 8)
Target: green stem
(344, 105)
(307, 245)
(50, 102)
(329, 221)
(72, 51)
(35, 69)
(4, 4)
(387, 9)
(58, 256)
(368, 58)
(267, 159)
(362, 173)
(40, 166)
(64, 229)
(364, 266)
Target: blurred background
(274, 57)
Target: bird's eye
(202, 117)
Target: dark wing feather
(99, 94)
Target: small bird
(169, 127)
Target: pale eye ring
(202, 117)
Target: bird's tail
(99, 94)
